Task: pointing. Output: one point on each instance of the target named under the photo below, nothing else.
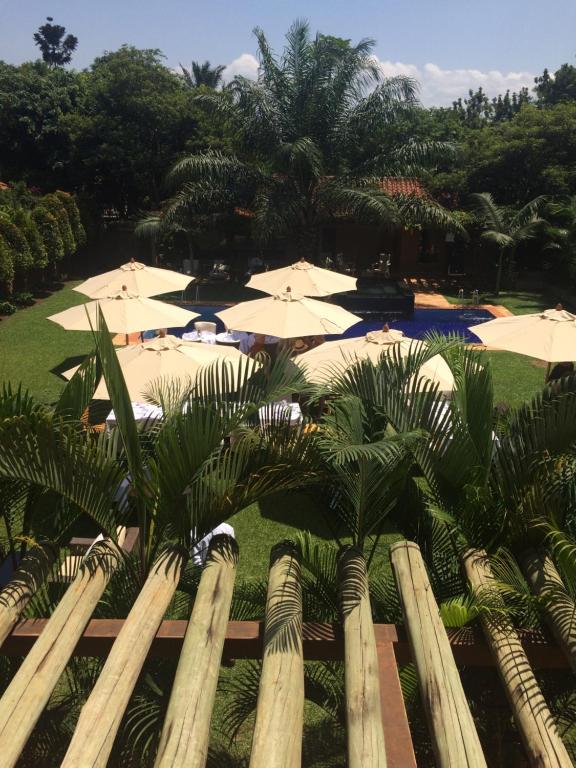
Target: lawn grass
(521, 302)
(34, 350)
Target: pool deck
(431, 300)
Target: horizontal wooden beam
(320, 642)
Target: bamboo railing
(186, 732)
(28, 693)
(559, 607)
(102, 713)
(26, 580)
(452, 728)
(277, 740)
(535, 723)
(366, 748)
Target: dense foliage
(36, 231)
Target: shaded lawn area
(33, 349)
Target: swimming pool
(422, 321)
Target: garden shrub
(69, 203)
(6, 266)
(26, 224)
(53, 204)
(7, 308)
(50, 233)
(23, 299)
(16, 241)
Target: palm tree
(303, 135)
(203, 74)
(507, 228)
(562, 234)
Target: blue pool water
(423, 320)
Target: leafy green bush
(57, 209)
(15, 240)
(26, 224)
(6, 266)
(7, 308)
(50, 233)
(23, 299)
(69, 203)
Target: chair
(205, 326)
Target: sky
(448, 45)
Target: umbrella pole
(548, 367)
(127, 340)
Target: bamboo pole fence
(559, 607)
(366, 747)
(31, 687)
(277, 739)
(27, 579)
(453, 732)
(534, 721)
(102, 713)
(186, 732)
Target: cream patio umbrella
(322, 363)
(170, 359)
(138, 278)
(548, 335)
(124, 312)
(304, 278)
(288, 315)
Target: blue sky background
(449, 45)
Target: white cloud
(440, 87)
(245, 64)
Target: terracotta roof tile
(402, 186)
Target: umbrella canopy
(287, 316)
(548, 335)
(304, 278)
(323, 362)
(168, 358)
(138, 278)
(124, 312)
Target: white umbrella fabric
(304, 279)
(548, 335)
(124, 312)
(288, 315)
(322, 363)
(168, 359)
(138, 278)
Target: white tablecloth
(246, 339)
(206, 337)
(142, 412)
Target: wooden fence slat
(366, 747)
(535, 723)
(399, 747)
(28, 693)
(102, 713)
(452, 727)
(277, 740)
(30, 575)
(186, 732)
(560, 608)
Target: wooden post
(366, 748)
(535, 723)
(101, 715)
(30, 575)
(30, 689)
(277, 740)
(560, 608)
(454, 735)
(186, 732)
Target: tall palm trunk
(499, 272)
